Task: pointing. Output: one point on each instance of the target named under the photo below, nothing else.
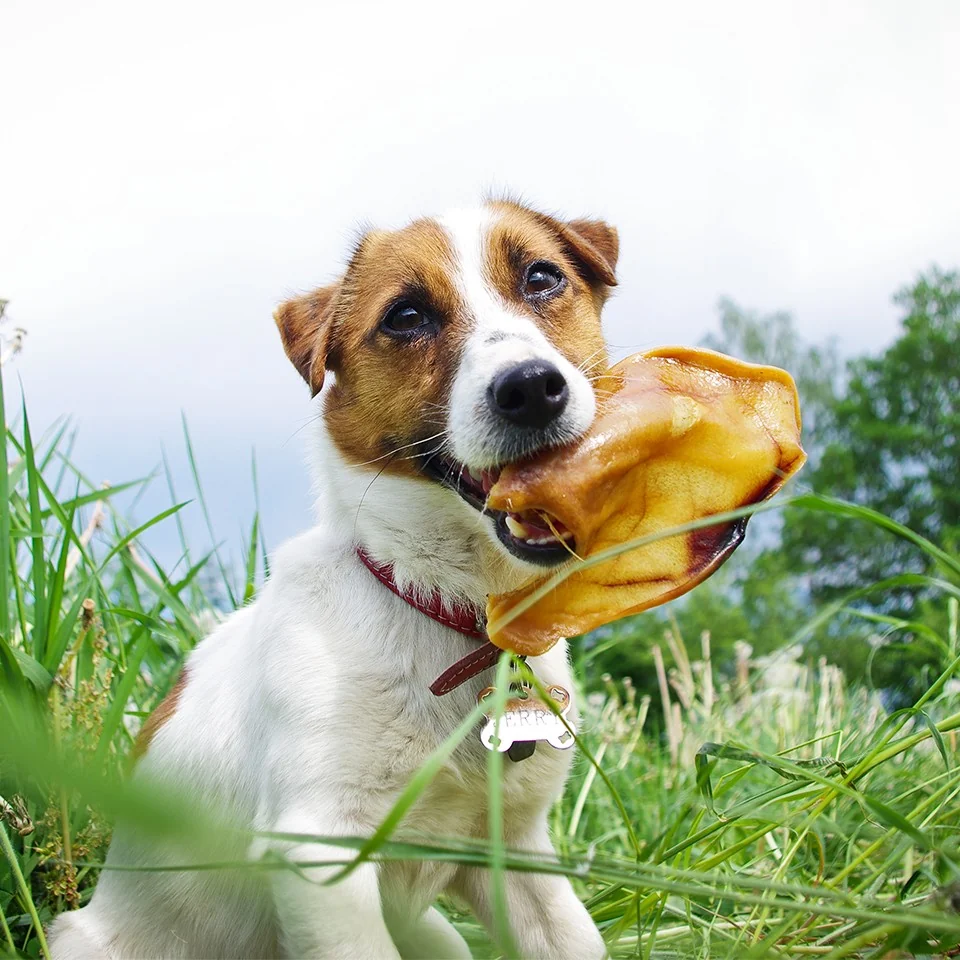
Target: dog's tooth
(518, 529)
(475, 475)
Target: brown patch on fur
(597, 244)
(305, 324)
(391, 393)
(571, 320)
(165, 710)
(590, 246)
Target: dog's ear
(305, 325)
(595, 245)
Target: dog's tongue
(685, 434)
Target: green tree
(891, 443)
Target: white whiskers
(405, 446)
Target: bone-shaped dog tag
(526, 719)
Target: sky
(170, 172)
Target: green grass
(775, 812)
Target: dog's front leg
(430, 937)
(547, 919)
(344, 919)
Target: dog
(447, 349)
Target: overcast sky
(168, 172)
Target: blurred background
(777, 172)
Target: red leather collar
(465, 619)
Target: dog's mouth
(530, 535)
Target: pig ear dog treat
(680, 434)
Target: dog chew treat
(682, 435)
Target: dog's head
(457, 345)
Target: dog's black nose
(531, 394)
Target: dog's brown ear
(305, 324)
(596, 245)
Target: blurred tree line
(881, 431)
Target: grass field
(776, 812)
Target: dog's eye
(542, 278)
(404, 319)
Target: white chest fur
(309, 712)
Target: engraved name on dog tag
(526, 719)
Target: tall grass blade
(855, 511)
(181, 532)
(498, 884)
(265, 558)
(56, 593)
(25, 895)
(5, 568)
(250, 566)
(206, 512)
(38, 566)
(96, 496)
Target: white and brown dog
(456, 345)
